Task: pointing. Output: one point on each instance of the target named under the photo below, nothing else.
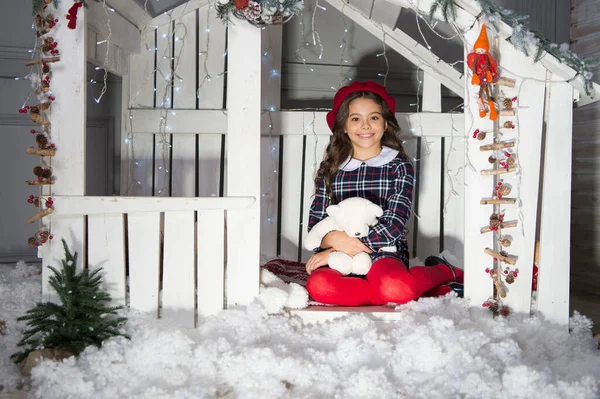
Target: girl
(365, 159)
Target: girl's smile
(365, 127)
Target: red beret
(345, 91)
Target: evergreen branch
(523, 39)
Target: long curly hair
(340, 146)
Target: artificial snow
(439, 348)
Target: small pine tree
(80, 320)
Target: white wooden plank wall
(196, 60)
(555, 224)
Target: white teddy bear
(354, 216)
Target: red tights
(389, 280)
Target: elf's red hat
(345, 91)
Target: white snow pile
(439, 348)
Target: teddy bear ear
(333, 210)
(377, 211)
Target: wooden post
(555, 223)
(243, 161)
(68, 116)
(429, 178)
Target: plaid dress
(386, 180)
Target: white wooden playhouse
(211, 178)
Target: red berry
(50, 237)
(51, 145)
(37, 244)
(43, 241)
(31, 196)
(487, 269)
(32, 131)
(515, 274)
(30, 201)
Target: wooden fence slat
(183, 169)
(140, 164)
(164, 62)
(291, 197)
(141, 83)
(453, 209)
(209, 165)
(186, 57)
(211, 63)
(429, 178)
(211, 262)
(555, 223)
(106, 249)
(269, 202)
(162, 165)
(314, 152)
(178, 288)
(410, 147)
(144, 246)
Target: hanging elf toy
(485, 73)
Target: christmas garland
(259, 12)
(38, 4)
(524, 39)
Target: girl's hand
(340, 241)
(318, 260)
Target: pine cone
(504, 189)
(507, 103)
(505, 242)
(511, 161)
(481, 136)
(42, 141)
(31, 241)
(491, 159)
(38, 170)
(510, 278)
(36, 202)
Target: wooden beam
(467, 11)
(208, 121)
(130, 11)
(67, 205)
(175, 13)
(407, 47)
(179, 121)
(123, 33)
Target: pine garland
(80, 320)
(523, 39)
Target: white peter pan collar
(385, 156)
